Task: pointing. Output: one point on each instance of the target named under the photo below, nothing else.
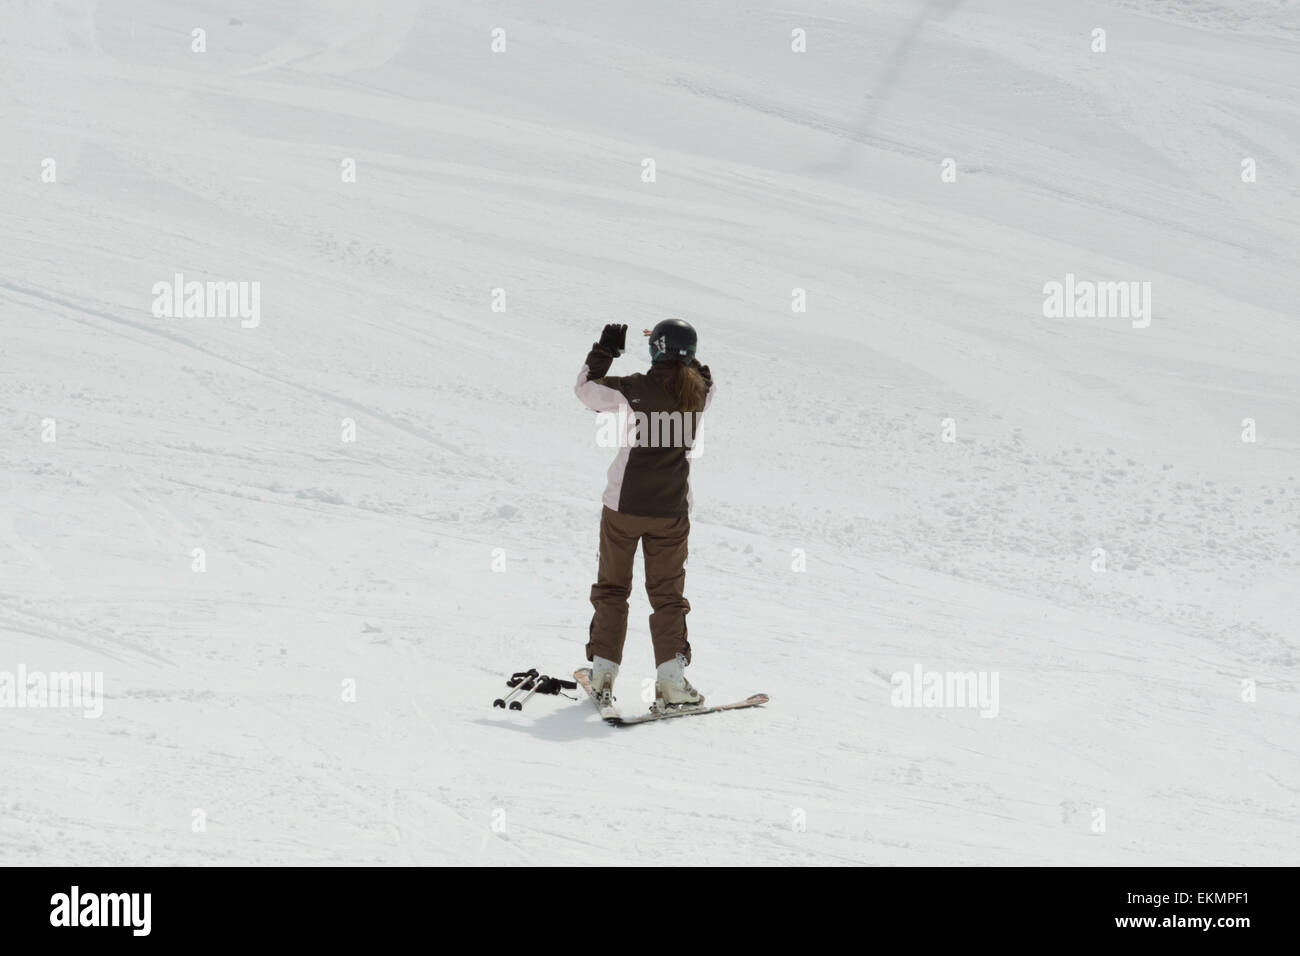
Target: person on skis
(647, 500)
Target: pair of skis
(612, 716)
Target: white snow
(1124, 733)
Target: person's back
(663, 408)
(647, 499)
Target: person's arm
(594, 389)
(708, 380)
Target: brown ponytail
(687, 387)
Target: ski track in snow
(372, 561)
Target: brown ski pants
(663, 544)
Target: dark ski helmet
(672, 339)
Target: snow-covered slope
(1146, 713)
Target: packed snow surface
(303, 545)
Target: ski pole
(526, 681)
(520, 682)
(536, 685)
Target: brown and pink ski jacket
(651, 474)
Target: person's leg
(664, 546)
(608, 630)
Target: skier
(647, 499)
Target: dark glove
(614, 338)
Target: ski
(612, 716)
(754, 700)
(609, 714)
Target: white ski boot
(672, 689)
(603, 673)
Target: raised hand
(614, 338)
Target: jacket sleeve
(594, 389)
(708, 378)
